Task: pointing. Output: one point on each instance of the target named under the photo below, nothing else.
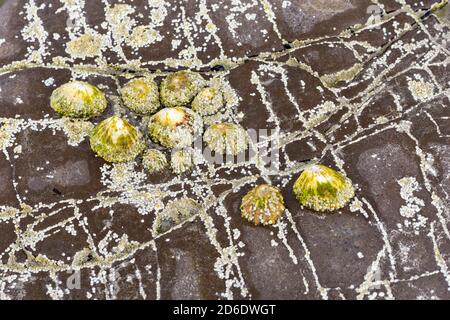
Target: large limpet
(116, 140)
(175, 127)
(141, 95)
(227, 138)
(323, 189)
(180, 88)
(78, 99)
(264, 205)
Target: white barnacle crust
(175, 127)
(78, 99)
(154, 161)
(208, 101)
(116, 140)
(227, 138)
(180, 88)
(141, 95)
(323, 189)
(264, 205)
(182, 161)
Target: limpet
(181, 161)
(78, 99)
(175, 127)
(116, 140)
(141, 95)
(323, 189)
(227, 138)
(208, 101)
(264, 205)
(180, 88)
(154, 161)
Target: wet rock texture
(362, 86)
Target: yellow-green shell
(154, 161)
(180, 88)
(181, 161)
(264, 205)
(226, 138)
(141, 95)
(208, 101)
(323, 189)
(116, 140)
(175, 127)
(78, 99)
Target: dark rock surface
(360, 87)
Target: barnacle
(179, 88)
(181, 161)
(175, 213)
(154, 161)
(78, 99)
(323, 189)
(264, 204)
(116, 140)
(208, 101)
(227, 138)
(141, 95)
(175, 127)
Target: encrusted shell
(175, 127)
(154, 161)
(175, 213)
(181, 161)
(227, 138)
(208, 101)
(180, 88)
(78, 99)
(264, 205)
(141, 95)
(323, 189)
(116, 140)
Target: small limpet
(180, 88)
(208, 101)
(116, 140)
(154, 161)
(175, 213)
(264, 205)
(227, 138)
(141, 95)
(78, 99)
(175, 127)
(181, 161)
(323, 189)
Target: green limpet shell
(227, 138)
(141, 95)
(181, 161)
(116, 140)
(154, 161)
(208, 101)
(264, 205)
(323, 189)
(175, 127)
(78, 99)
(180, 88)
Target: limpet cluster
(176, 111)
